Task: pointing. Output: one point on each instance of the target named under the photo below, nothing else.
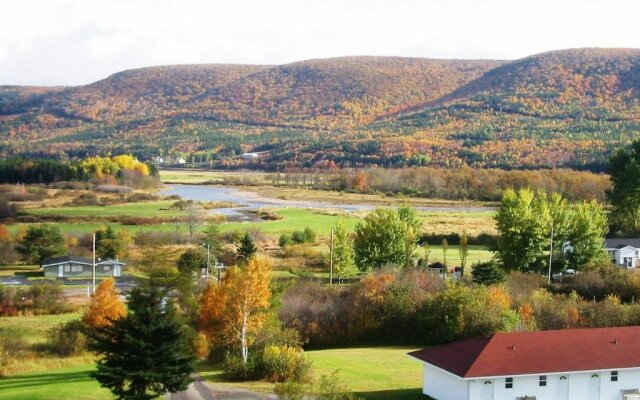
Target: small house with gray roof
(80, 267)
(624, 252)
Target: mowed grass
(373, 372)
(58, 384)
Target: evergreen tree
(107, 243)
(146, 354)
(624, 195)
(41, 242)
(487, 273)
(246, 248)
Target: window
(76, 268)
(543, 380)
(614, 376)
(107, 268)
(508, 383)
(67, 268)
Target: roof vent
(513, 347)
(615, 341)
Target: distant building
(80, 267)
(250, 156)
(624, 252)
(182, 161)
(572, 364)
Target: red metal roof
(522, 353)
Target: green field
(58, 384)
(144, 209)
(34, 328)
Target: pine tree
(246, 249)
(105, 306)
(146, 354)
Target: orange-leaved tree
(233, 311)
(105, 306)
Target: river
(248, 201)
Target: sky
(75, 42)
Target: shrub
(331, 387)
(284, 240)
(307, 235)
(290, 390)
(12, 344)
(487, 273)
(282, 363)
(236, 370)
(68, 339)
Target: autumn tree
(233, 311)
(105, 306)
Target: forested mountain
(564, 108)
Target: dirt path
(202, 390)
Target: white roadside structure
(573, 364)
(623, 252)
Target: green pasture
(34, 328)
(154, 209)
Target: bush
(236, 370)
(332, 388)
(12, 344)
(68, 339)
(290, 390)
(487, 273)
(307, 235)
(284, 240)
(283, 363)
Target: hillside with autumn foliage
(565, 108)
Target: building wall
(579, 385)
(86, 272)
(621, 254)
(442, 385)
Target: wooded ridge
(566, 108)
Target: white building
(573, 364)
(250, 156)
(624, 252)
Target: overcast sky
(67, 42)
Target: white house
(572, 364)
(250, 156)
(624, 252)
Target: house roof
(524, 353)
(77, 260)
(65, 259)
(620, 243)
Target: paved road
(201, 390)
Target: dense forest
(559, 109)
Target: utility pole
(206, 272)
(331, 259)
(93, 272)
(550, 256)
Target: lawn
(58, 384)
(372, 373)
(144, 209)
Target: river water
(248, 201)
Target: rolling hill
(563, 108)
